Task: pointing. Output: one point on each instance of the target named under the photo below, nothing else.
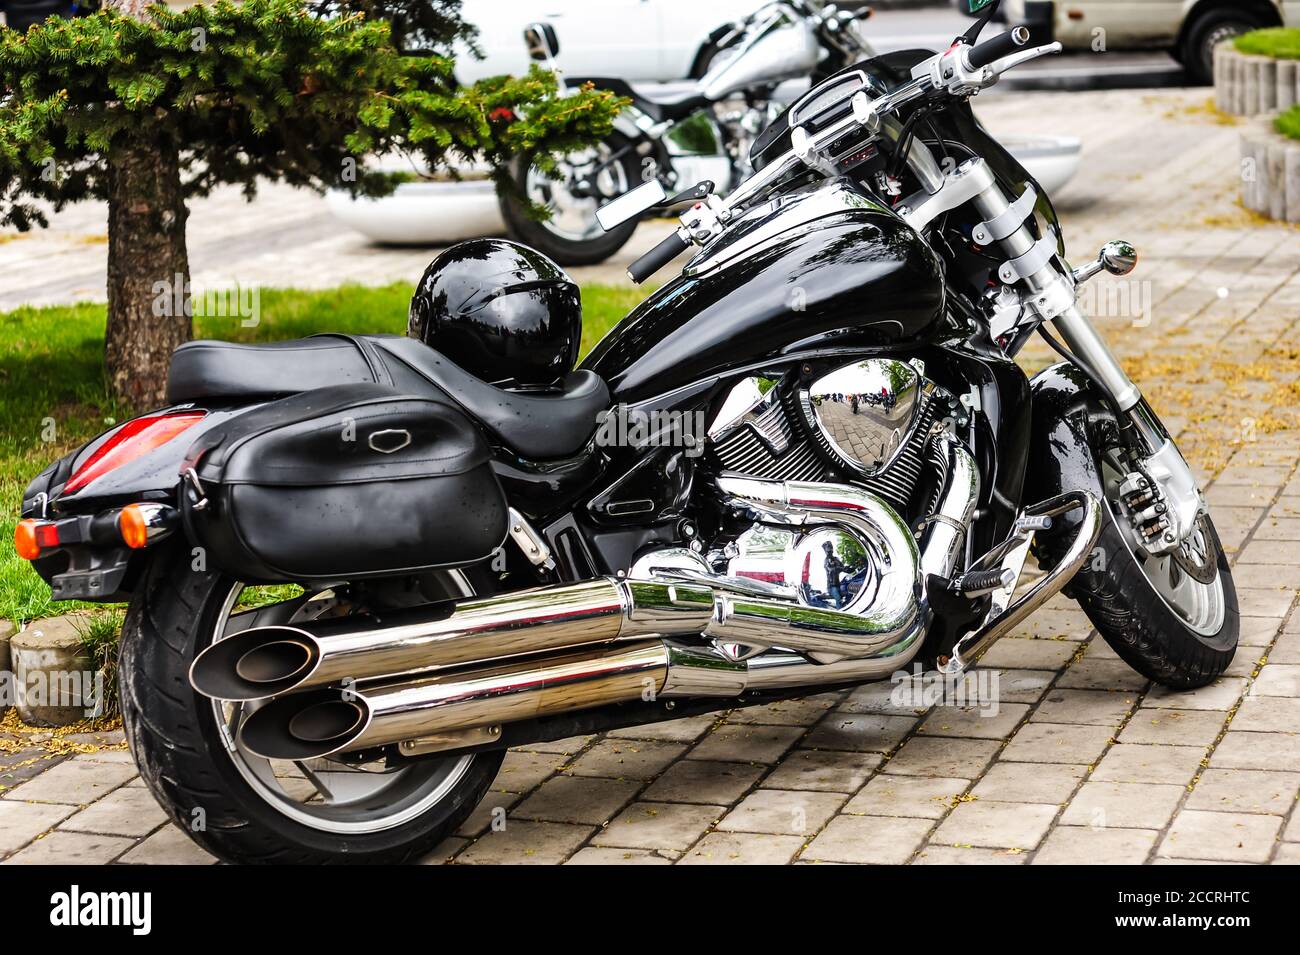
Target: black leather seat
(538, 426)
(659, 109)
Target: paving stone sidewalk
(1082, 761)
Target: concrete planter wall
(423, 213)
(1252, 85)
(1270, 172)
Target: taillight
(134, 439)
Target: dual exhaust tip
(265, 662)
(258, 663)
(323, 721)
(305, 725)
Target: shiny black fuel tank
(819, 267)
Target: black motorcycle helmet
(501, 311)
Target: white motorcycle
(704, 133)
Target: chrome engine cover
(866, 411)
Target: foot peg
(1010, 554)
(977, 583)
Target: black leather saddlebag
(342, 483)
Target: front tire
(189, 761)
(1174, 619)
(1141, 626)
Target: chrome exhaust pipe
(323, 722)
(327, 722)
(263, 662)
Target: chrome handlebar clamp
(951, 71)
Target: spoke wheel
(581, 183)
(573, 209)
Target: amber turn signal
(133, 527)
(25, 540)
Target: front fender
(1066, 414)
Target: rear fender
(94, 568)
(151, 477)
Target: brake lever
(1024, 56)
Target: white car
(1189, 29)
(634, 40)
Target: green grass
(53, 397)
(99, 634)
(1288, 123)
(1281, 43)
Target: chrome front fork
(1041, 292)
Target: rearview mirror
(542, 42)
(631, 204)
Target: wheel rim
(1201, 606)
(321, 793)
(573, 217)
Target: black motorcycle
(361, 568)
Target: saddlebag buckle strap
(200, 501)
(1023, 266)
(1001, 226)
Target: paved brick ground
(1083, 761)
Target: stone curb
(49, 654)
(1246, 85)
(1270, 173)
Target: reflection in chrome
(753, 403)
(865, 411)
(825, 567)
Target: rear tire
(179, 748)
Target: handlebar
(1001, 53)
(990, 51)
(654, 260)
